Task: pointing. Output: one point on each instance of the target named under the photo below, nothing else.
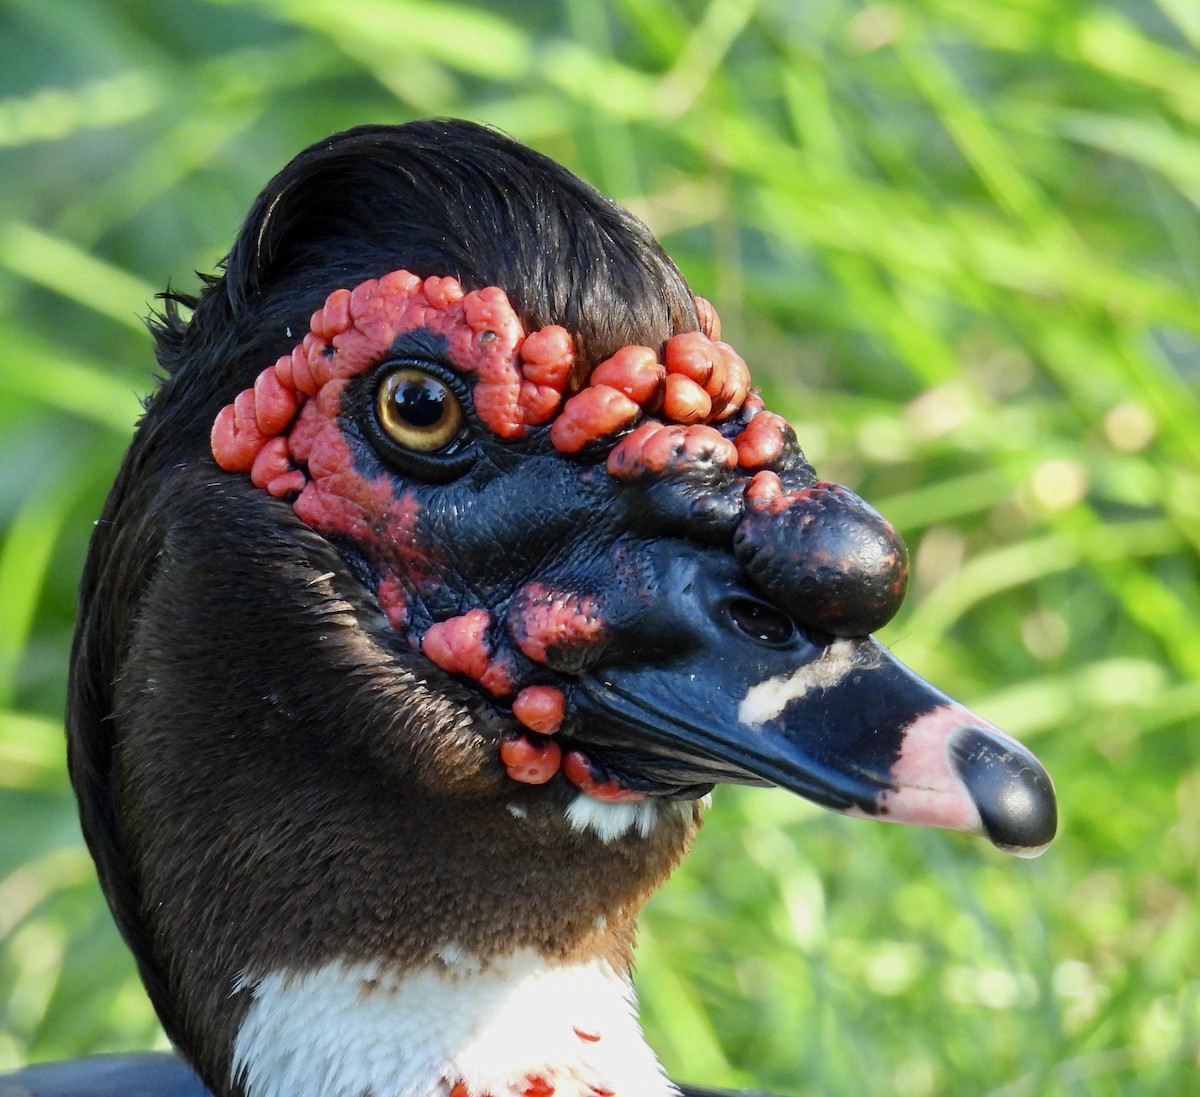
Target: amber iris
(418, 411)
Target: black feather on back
(156, 1074)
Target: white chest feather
(514, 1028)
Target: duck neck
(521, 1026)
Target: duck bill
(847, 726)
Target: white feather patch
(608, 820)
(348, 1029)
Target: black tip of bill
(957, 770)
(1011, 790)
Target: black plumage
(296, 701)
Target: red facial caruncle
(680, 420)
(534, 760)
(285, 431)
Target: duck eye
(417, 411)
(761, 622)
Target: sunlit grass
(958, 244)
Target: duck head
(453, 563)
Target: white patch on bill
(349, 1028)
(767, 700)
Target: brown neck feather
(332, 804)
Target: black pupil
(420, 404)
(761, 622)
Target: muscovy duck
(453, 563)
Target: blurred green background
(957, 242)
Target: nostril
(761, 622)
